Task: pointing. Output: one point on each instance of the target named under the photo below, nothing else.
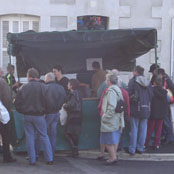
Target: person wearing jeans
(140, 93)
(52, 121)
(137, 134)
(38, 123)
(31, 101)
(55, 98)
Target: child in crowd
(159, 109)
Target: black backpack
(121, 105)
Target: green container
(89, 138)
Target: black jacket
(31, 99)
(73, 106)
(55, 97)
(159, 104)
(140, 95)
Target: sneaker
(146, 148)
(139, 152)
(32, 164)
(49, 162)
(27, 158)
(130, 153)
(109, 163)
(155, 147)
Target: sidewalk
(165, 153)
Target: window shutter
(5, 30)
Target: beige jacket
(111, 121)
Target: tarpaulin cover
(70, 49)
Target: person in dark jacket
(4, 128)
(159, 109)
(60, 78)
(167, 131)
(140, 93)
(73, 106)
(55, 98)
(31, 101)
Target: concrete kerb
(125, 156)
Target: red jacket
(126, 100)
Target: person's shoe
(10, 160)
(49, 162)
(101, 158)
(155, 147)
(75, 152)
(130, 153)
(27, 158)
(139, 152)
(109, 163)
(1, 149)
(146, 148)
(32, 164)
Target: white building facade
(61, 15)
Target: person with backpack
(140, 93)
(159, 110)
(112, 121)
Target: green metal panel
(89, 138)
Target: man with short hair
(140, 92)
(10, 78)
(60, 78)
(31, 101)
(55, 98)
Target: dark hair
(96, 65)
(153, 67)
(74, 83)
(161, 71)
(158, 81)
(10, 66)
(59, 68)
(33, 73)
(5, 94)
(139, 70)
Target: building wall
(62, 15)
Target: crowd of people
(148, 110)
(143, 104)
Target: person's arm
(131, 87)
(111, 105)
(18, 102)
(70, 104)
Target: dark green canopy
(117, 48)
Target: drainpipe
(172, 49)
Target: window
(92, 23)
(58, 22)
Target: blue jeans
(137, 134)
(33, 124)
(52, 121)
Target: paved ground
(69, 165)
